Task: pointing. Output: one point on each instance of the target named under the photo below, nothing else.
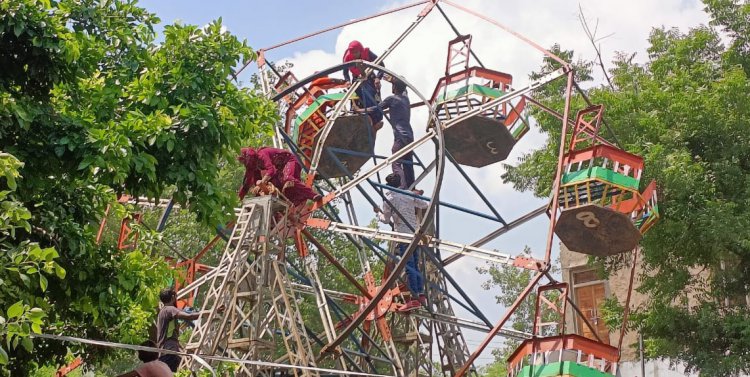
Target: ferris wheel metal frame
(455, 358)
(474, 249)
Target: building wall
(617, 286)
(653, 368)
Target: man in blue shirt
(399, 116)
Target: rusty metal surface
(479, 141)
(350, 133)
(595, 230)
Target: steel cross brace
(500, 231)
(500, 324)
(438, 317)
(449, 246)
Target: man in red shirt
(369, 90)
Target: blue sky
(264, 23)
(421, 60)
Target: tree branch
(592, 38)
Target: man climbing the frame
(167, 329)
(399, 116)
(398, 203)
(280, 168)
(368, 91)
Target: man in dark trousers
(400, 118)
(399, 115)
(167, 329)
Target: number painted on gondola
(492, 149)
(588, 218)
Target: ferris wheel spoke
(443, 245)
(362, 177)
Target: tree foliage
(686, 111)
(510, 281)
(24, 266)
(497, 368)
(93, 107)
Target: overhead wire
(458, 34)
(133, 347)
(331, 28)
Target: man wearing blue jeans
(398, 203)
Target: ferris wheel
(272, 264)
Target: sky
(420, 59)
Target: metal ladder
(250, 310)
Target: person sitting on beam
(280, 168)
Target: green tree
(686, 112)
(24, 266)
(511, 281)
(497, 368)
(92, 107)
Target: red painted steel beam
(63, 371)
(626, 311)
(499, 325)
(339, 26)
(563, 342)
(609, 151)
(327, 254)
(331, 28)
(481, 72)
(511, 31)
(559, 170)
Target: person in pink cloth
(280, 168)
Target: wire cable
(199, 358)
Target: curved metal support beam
(420, 231)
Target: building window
(589, 293)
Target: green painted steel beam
(565, 368)
(601, 174)
(481, 90)
(313, 108)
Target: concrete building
(588, 291)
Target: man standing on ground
(167, 328)
(398, 203)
